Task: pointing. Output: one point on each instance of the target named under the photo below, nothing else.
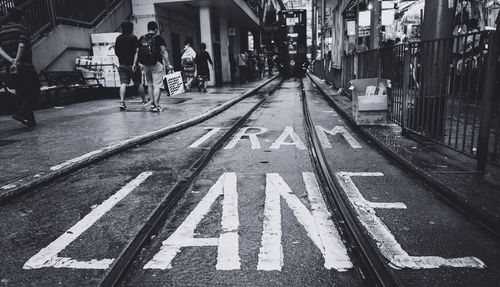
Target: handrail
(43, 15)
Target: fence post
(488, 94)
(52, 11)
(406, 86)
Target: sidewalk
(450, 173)
(64, 134)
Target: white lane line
(322, 233)
(271, 250)
(288, 132)
(332, 248)
(47, 257)
(336, 130)
(228, 255)
(387, 243)
(204, 138)
(244, 132)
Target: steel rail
(157, 218)
(365, 250)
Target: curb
(472, 212)
(13, 190)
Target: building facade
(223, 25)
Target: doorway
(176, 51)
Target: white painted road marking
(227, 244)
(47, 257)
(244, 133)
(204, 138)
(387, 243)
(319, 227)
(336, 130)
(288, 132)
(76, 159)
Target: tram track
(161, 213)
(373, 267)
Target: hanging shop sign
(364, 31)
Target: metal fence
(439, 90)
(44, 15)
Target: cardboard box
(369, 101)
(103, 44)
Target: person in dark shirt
(126, 50)
(16, 62)
(154, 68)
(202, 60)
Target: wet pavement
(254, 217)
(67, 132)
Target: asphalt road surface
(255, 216)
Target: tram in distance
(292, 46)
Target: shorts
(126, 74)
(154, 75)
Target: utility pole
(438, 19)
(323, 29)
(375, 28)
(437, 24)
(314, 29)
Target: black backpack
(147, 51)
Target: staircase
(61, 28)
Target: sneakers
(148, 102)
(156, 109)
(123, 107)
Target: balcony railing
(256, 7)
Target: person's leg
(157, 76)
(123, 90)
(140, 91)
(27, 88)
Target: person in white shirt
(188, 65)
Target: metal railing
(44, 15)
(439, 90)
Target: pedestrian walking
(152, 54)
(202, 60)
(188, 66)
(17, 63)
(242, 63)
(126, 51)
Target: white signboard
(387, 17)
(365, 18)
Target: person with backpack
(17, 64)
(188, 57)
(125, 50)
(152, 54)
(202, 61)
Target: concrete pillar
(143, 12)
(206, 36)
(224, 49)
